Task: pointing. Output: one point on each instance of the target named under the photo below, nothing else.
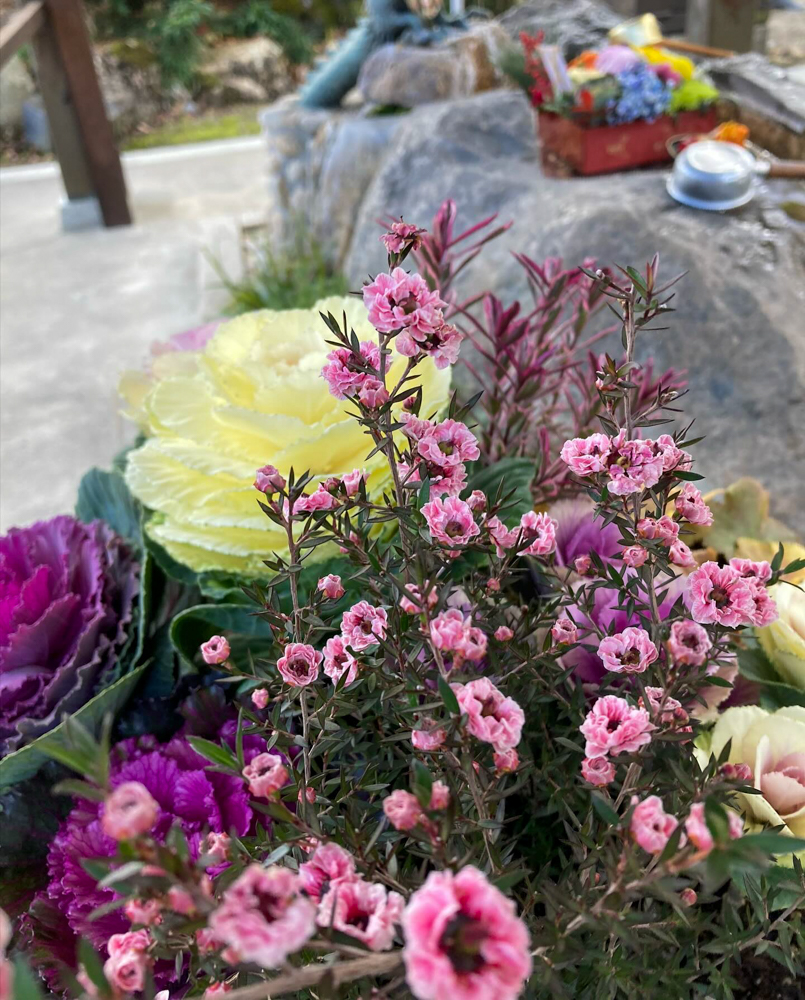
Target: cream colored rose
(253, 395)
(784, 640)
(773, 745)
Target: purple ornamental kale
(196, 799)
(67, 595)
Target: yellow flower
(784, 640)
(773, 745)
(252, 396)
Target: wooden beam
(20, 29)
(65, 20)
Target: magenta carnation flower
(67, 595)
(186, 793)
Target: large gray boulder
(739, 329)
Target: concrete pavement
(77, 309)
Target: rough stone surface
(409, 76)
(259, 60)
(16, 87)
(572, 24)
(738, 328)
(320, 164)
(237, 90)
(131, 84)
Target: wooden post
(82, 134)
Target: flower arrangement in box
(508, 708)
(612, 108)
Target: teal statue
(418, 22)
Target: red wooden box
(570, 146)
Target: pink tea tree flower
(614, 726)
(463, 940)
(651, 826)
(125, 969)
(447, 444)
(681, 555)
(491, 716)
(346, 373)
(266, 774)
(689, 643)
(539, 530)
(563, 631)
(263, 917)
(633, 465)
(363, 910)
(402, 301)
(215, 650)
(690, 505)
(428, 739)
(440, 796)
(628, 652)
(363, 625)
(721, 595)
(331, 587)
(129, 811)
(329, 865)
(402, 236)
(587, 456)
(452, 631)
(699, 832)
(664, 529)
(268, 480)
(259, 698)
(403, 810)
(598, 771)
(634, 556)
(299, 665)
(339, 661)
(506, 761)
(450, 521)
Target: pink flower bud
(503, 633)
(688, 897)
(439, 796)
(564, 631)
(402, 810)
(634, 556)
(309, 794)
(266, 774)
(215, 650)
(506, 761)
(331, 587)
(493, 585)
(217, 845)
(583, 565)
(129, 811)
(268, 480)
(260, 698)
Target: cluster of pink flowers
(348, 374)
(628, 652)
(263, 916)
(299, 664)
(652, 827)
(612, 727)
(329, 494)
(464, 940)
(266, 774)
(411, 601)
(491, 716)
(632, 465)
(733, 595)
(438, 453)
(128, 960)
(538, 530)
(452, 631)
(699, 833)
(346, 902)
(403, 304)
(404, 812)
(665, 530)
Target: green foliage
(104, 496)
(292, 279)
(176, 32)
(256, 18)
